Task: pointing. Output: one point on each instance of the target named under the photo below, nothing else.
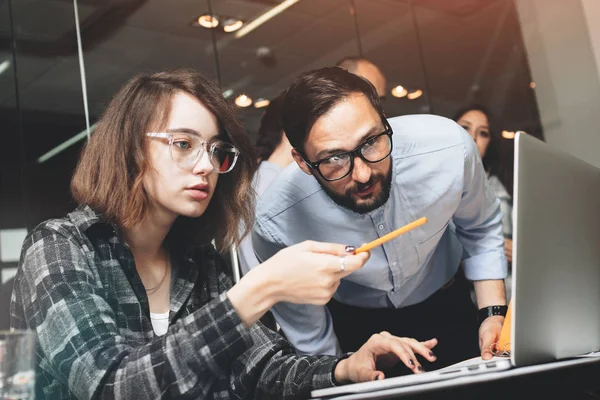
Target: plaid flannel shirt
(78, 288)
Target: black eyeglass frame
(353, 154)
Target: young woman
(127, 295)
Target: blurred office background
(533, 63)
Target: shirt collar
(84, 218)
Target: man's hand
(381, 351)
(489, 334)
(490, 292)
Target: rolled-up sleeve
(278, 372)
(478, 220)
(265, 241)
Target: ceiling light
(261, 19)
(227, 94)
(232, 24)
(208, 21)
(243, 101)
(260, 103)
(399, 91)
(532, 85)
(4, 66)
(508, 134)
(415, 95)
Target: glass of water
(17, 365)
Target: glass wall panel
(137, 36)
(474, 53)
(50, 101)
(261, 63)
(13, 220)
(389, 38)
(40, 107)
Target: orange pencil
(391, 235)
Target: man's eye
(371, 141)
(339, 159)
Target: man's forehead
(354, 112)
(343, 126)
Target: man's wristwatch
(490, 311)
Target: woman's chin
(192, 212)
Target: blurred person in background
(367, 69)
(274, 154)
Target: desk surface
(558, 367)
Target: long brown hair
(110, 171)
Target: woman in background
(127, 295)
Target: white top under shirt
(160, 322)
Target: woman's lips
(197, 194)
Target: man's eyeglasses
(338, 166)
(187, 149)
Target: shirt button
(380, 227)
(394, 264)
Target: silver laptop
(556, 277)
(556, 261)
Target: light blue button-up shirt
(437, 173)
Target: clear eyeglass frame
(213, 149)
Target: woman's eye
(484, 134)
(183, 144)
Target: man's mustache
(358, 187)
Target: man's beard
(347, 201)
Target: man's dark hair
(270, 132)
(314, 93)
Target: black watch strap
(490, 311)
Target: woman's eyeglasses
(187, 149)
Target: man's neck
(282, 156)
